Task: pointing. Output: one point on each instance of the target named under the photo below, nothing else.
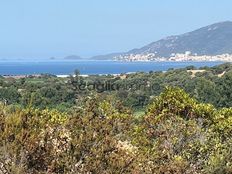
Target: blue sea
(91, 67)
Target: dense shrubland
(53, 125)
(177, 134)
(212, 85)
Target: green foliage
(50, 125)
(175, 135)
(178, 129)
(212, 85)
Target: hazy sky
(46, 28)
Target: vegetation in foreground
(132, 123)
(175, 135)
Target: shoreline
(60, 76)
(26, 70)
(87, 60)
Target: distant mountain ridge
(73, 57)
(214, 39)
(105, 57)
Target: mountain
(73, 57)
(214, 39)
(106, 57)
(210, 40)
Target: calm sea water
(91, 67)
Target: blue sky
(45, 28)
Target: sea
(90, 67)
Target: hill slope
(214, 39)
(211, 40)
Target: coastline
(115, 68)
(60, 76)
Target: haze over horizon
(42, 29)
